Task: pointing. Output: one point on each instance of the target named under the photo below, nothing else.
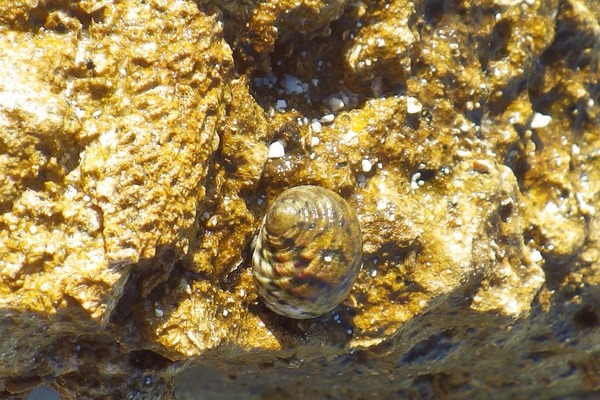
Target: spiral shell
(307, 253)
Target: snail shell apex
(307, 252)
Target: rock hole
(434, 11)
(499, 40)
(586, 318)
(147, 359)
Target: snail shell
(307, 253)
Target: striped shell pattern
(307, 253)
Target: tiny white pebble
(327, 118)
(536, 256)
(86, 198)
(276, 150)
(540, 120)
(292, 85)
(225, 312)
(242, 292)
(336, 104)
(314, 141)
(281, 105)
(349, 331)
(315, 125)
(97, 113)
(366, 165)
(413, 106)
(414, 181)
(328, 258)
(158, 312)
(33, 229)
(373, 273)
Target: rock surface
(142, 143)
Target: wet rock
(141, 145)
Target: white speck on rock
(551, 208)
(536, 256)
(327, 118)
(336, 104)
(366, 165)
(281, 105)
(413, 106)
(540, 120)
(315, 125)
(292, 85)
(350, 138)
(276, 150)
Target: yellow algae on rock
(141, 145)
(108, 122)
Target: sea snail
(307, 252)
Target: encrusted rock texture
(142, 142)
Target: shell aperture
(307, 253)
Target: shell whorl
(307, 253)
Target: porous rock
(465, 137)
(108, 124)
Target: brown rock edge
(141, 143)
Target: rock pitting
(141, 144)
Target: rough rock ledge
(141, 143)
